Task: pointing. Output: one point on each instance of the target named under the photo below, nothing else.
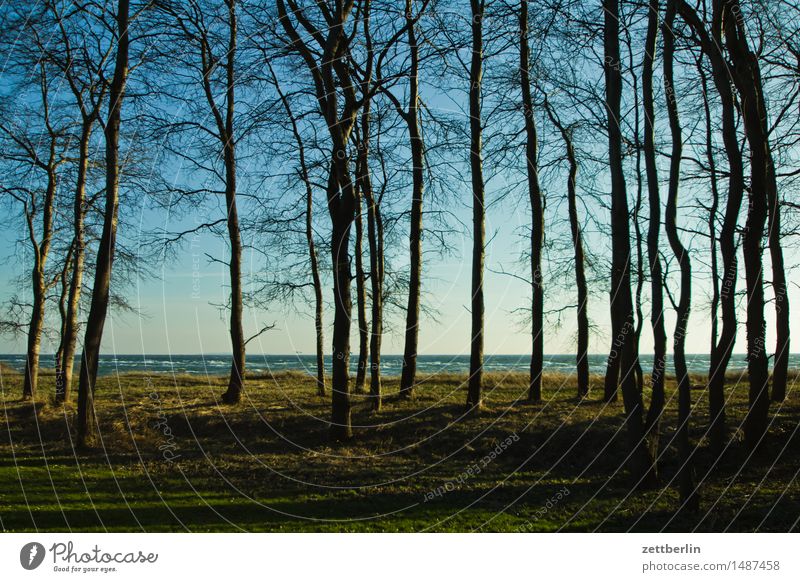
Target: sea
(391, 364)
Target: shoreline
(299, 373)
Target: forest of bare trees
(653, 144)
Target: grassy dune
(172, 459)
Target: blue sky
(177, 313)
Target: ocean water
(219, 364)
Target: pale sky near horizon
(177, 315)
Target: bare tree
(474, 393)
(316, 279)
(763, 192)
(711, 44)
(361, 295)
(622, 323)
(689, 497)
(35, 146)
(86, 421)
(374, 218)
(713, 207)
(582, 358)
(332, 78)
(83, 67)
(412, 119)
(653, 234)
(537, 212)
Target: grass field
(172, 459)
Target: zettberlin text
(684, 549)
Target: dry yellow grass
(182, 460)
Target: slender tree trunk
(713, 209)
(374, 220)
(361, 299)
(316, 280)
(236, 381)
(86, 421)
(656, 409)
(409, 371)
(41, 250)
(764, 192)
(688, 493)
(721, 354)
(611, 380)
(319, 328)
(332, 77)
(747, 78)
(537, 213)
(580, 274)
(637, 211)
(237, 376)
(342, 214)
(35, 327)
(640, 278)
(375, 237)
(622, 321)
(582, 359)
(474, 393)
(62, 317)
(70, 338)
(780, 290)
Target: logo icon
(31, 555)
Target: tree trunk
(342, 214)
(237, 376)
(622, 321)
(409, 371)
(70, 338)
(688, 493)
(713, 209)
(747, 78)
(374, 221)
(86, 421)
(537, 214)
(582, 359)
(611, 380)
(41, 250)
(656, 409)
(319, 328)
(780, 290)
(35, 327)
(721, 354)
(62, 317)
(340, 191)
(635, 218)
(375, 235)
(375, 239)
(361, 300)
(474, 393)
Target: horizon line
(229, 354)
